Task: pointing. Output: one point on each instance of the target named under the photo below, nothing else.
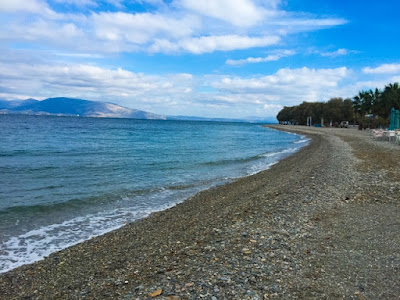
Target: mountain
(270, 120)
(244, 120)
(193, 118)
(4, 104)
(74, 107)
(85, 108)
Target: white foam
(277, 153)
(274, 156)
(303, 140)
(36, 244)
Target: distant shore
(320, 224)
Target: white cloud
(208, 44)
(339, 52)
(181, 26)
(159, 33)
(104, 32)
(173, 93)
(172, 27)
(303, 77)
(252, 60)
(78, 3)
(79, 55)
(383, 69)
(90, 3)
(64, 35)
(288, 85)
(236, 12)
(289, 20)
(38, 7)
(141, 28)
(152, 2)
(181, 93)
(136, 90)
(34, 6)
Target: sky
(207, 58)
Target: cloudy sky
(210, 58)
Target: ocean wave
(272, 158)
(231, 161)
(137, 170)
(39, 243)
(280, 152)
(78, 203)
(303, 140)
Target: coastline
(57, 233)
(279, 233)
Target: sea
(64, 180)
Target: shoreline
(259, 236)
(278, 156)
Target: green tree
(390, 98)
(285, 115)
(333, 111)
(347, 110)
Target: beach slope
(321, 224)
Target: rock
(246, 251)
(155, 293)
(275, 288)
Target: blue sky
(210, 58)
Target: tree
(375, 102)
(285, 115)
(390, 98)
(347, 110)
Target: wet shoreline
(280, 233)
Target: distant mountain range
(245, 120)
(74, 107)
(84, 108)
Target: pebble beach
(321, 224)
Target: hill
(62, 106)
(74, 107)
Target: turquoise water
(64, 180)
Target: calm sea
(64, 180)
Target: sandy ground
(321, 224)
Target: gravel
(321, 224)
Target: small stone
(156, 293)
(246, 251)
(275, 288)
(189, 284)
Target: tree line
(370, 108)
